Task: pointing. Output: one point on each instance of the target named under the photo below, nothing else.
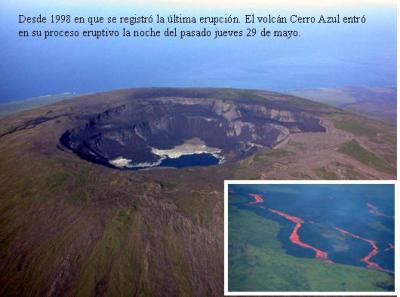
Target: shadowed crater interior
(179, 132)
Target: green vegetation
(181, 269)
(249, 168)
(270, 154)
(241, 95)
(300, 175)
(346, 170)
(353, 149)
(234, 198)
(305, 104)
(257, 262)
(193, 205)
(97, 267)
(254, 96)
(356, 127)
(374, 131)
(323, 173)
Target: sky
(324, 56)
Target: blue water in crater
(190, 160)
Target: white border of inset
(311, 182)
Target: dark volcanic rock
(133, 129)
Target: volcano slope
(78, 219)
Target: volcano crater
(181, 132)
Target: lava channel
(295, 238)
(258, 199)
(391, 247)
(367, 258)
(372, 209)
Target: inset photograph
(309, 237)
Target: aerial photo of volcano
(312, 237)
(114, 149)
(135, 176)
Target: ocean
(323, 56)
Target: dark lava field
(335, 225)
(351, 211)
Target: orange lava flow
(295, 238)
(367, 258)
(258, 199)
(391, 247)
